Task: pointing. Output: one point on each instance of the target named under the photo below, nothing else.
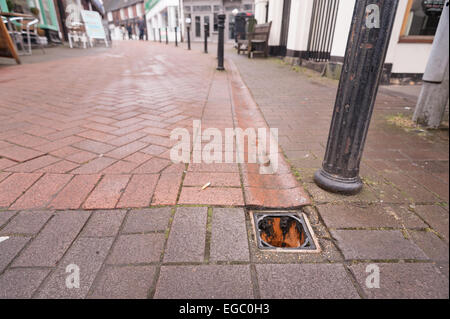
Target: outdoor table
(11, 16)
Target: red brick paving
(139, 191)
(104, 142)
(3, 175)
(216, 179)
(59, 168)
(42, 192)
(211, 196)
(166, 191)
(34, 164)
(19, 153)
(5, 163)
(107, 192)
(74, 193)
(14, 186)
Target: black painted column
(364, 58)
(189, 37)
(220, 45)
(167, 35)
(206, 30)
(176, 36)
(159, 35)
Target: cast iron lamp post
(363, 65)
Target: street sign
(93, 25)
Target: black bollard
(160, 40)
(220, 49)
(154, 34)
(365, 54)
(206, 37)
(176, 37)
(167, 35)
(189, 37)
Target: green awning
(149, 4)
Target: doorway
(199, 26)
(285, 27)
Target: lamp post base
(336, 184)
(220, 68)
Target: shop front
(44, 10)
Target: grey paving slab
(52, 242)
(9, 248)
(376, 245)
(137, 248)
(437, 217)
(88, 255)
(307, 281)
(368, 216)
(5, 216)
(405, 216)
(187, 235)
(147, 220)
(21, 283)
(130, 282)
(104, 223)
(229, 235)
(26, 222)
(346, 216)
(204, 282)
(411, 280)
(434, 247)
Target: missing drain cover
(284, 231)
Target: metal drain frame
(256, 216)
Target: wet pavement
(86, 179)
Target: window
(122, 14)
(187, 8)
(202, 8)
(248, 7)
(20, 6)
(198, 32)
(130, 12)
(110, 16)
(139, 10)
(217, 8)
(231, 26)
(421, 20)
(46, 12)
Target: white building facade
(120, 14)
(315, 32)
(162, 14)
(163, 18)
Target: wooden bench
(258, 40)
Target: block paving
(85, 179)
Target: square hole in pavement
(284, 231)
